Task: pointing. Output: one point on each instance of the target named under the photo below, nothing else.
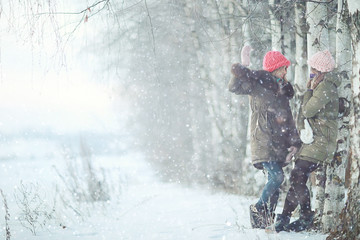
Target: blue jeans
(271, 191)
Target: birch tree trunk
(317, 40)
(275, 25)
(349, 227)
(301, 69)
(318, 35)
(351, 218)
(288, 29)
(332, 17)
(335, 181)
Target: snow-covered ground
(141, 206)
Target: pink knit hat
(273, 60)
(322, 61)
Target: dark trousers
(299, 192)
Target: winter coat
(268, 101)
(321, 108)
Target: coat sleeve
(251, 82)
(237, 86)
(240, 83)
(300, 120)
(315, 100)
(287, 90)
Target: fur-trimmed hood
(245, 80)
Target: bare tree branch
(151, 26)
(75, 13)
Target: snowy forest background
(171, 61)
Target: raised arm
(240, 83)
(246, 81)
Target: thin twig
(206, 32)
(129, 7)
(73, 13)
(151, 26)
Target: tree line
(174, 58)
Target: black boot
(282, 222)
(305, 222)
(257, 217)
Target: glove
(245, 55)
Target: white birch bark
(275, 27)
(351, 213)
(318, 35)
(332, 25)
(349, 226)
(335, 183)
(288, 38)
(301, 68)
(317, 40)
(246, 26)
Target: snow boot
(257, 217)
(282, 222)
(305, 222)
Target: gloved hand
(245, 55)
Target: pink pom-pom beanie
(322, 61)
(273, 60)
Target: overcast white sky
(36, 93)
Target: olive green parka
(321, 108)
(268, 100)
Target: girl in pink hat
(319, 111)
(272, 126)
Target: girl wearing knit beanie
(319, 110)
(273, 131)
(276, 63)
